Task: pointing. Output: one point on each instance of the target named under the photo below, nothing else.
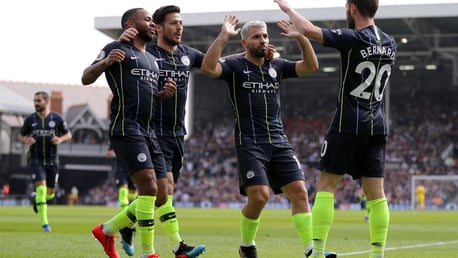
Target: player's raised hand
(284, 5)
(229, 26)
(289, 30)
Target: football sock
(248, 229)
(303, 224)
(167, 216)
(42, 206)
(122, 197)
(322, 217)
(131, 195)
(145, 219)
(379, 219)
(120, 220)
(50, 196)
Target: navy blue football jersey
(254, 92)
(367, 57)
(43, 151)
(170, 113)
(134, 84)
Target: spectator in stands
(132, 75)
(356, 141)
(43, 131)
(265, 157)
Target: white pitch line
(401, 247)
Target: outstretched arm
(309, 62)
(303, 25)
(210, 65)
(93, 72)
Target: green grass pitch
(411, 233)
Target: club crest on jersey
(52, 124)
(272, 72)
(141, 157)
(185, 60)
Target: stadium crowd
(422, 141)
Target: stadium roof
(431, 31)
(13, 104)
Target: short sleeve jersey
(367, 56)
(170, 112)
(254, 91)
(43, 151)
(134, 85)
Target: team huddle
(149, 84)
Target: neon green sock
(167, 215)
(122, 197)
(248, 229)
(42, 206)
(50, 196)
(124, 218)
(322, 217)
(131, 196)
(303, 224)
(378, 223)
(145, 219)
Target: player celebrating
(356, 140)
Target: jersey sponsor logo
(145, 74)
(34, 124)
(250, 174)
(261, 87)
(134, 57)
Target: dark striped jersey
(133, 83)
(366, 59)
(254, 92)
(170, 113)
(43, 151)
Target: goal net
(440, 192)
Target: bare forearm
(308, 54)
(210, 61)
(93, 72)
(305, 26)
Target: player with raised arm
(356, 141)
(267, 161)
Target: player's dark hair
(367, 8)
(129, 14)
(159, 14)
(43, 94)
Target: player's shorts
(122, 176)
(173, 150)
(48, 173)
(356, 155)
(275, 165)
(139, 152)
